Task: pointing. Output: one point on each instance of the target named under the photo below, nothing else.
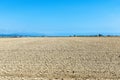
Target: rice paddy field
(61, 58)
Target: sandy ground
(72, 58)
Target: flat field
(62, 58)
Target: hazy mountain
(21, 34)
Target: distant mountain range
(22, 35)
(43, 35)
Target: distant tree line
(19, 35)
(99, 35)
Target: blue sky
(60, 17)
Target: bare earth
(72, 58)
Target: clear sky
(60, 17)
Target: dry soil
(62, 58)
